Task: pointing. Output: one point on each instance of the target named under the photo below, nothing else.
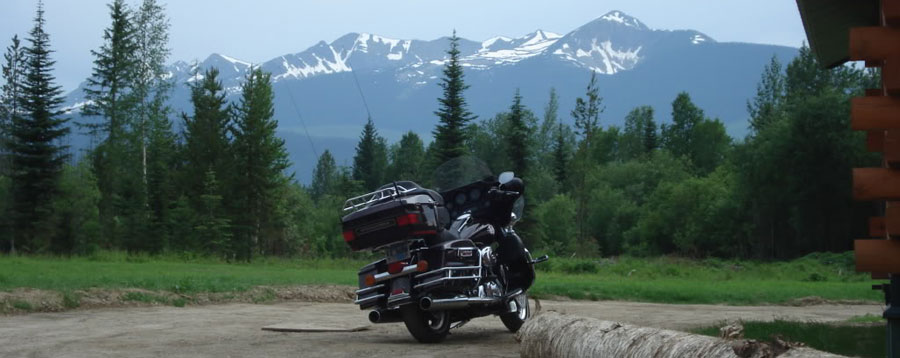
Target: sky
(259, 30)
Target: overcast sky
(259, 30)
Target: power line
(302, 123)
(359, 88)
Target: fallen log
(552, 334)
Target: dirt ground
(234, 330)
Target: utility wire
(302, 123)
(359, 88)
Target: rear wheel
(514, 320)
(426, 326)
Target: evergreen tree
(677, 137)
(212, 226)
(260, 162)
(324, 178)
(766, 107)
(546, 134)
(634, 136)
(453, 113)
(518, 136)
(206, 142)
(370, 161)
(562, 152)
(407, 159)
(37, 155)
(650, 140)
(10, 95)
(110, 96)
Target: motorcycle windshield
(460, 171)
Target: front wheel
(426, 326)
(514, 320)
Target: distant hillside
(638, 66)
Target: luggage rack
(362, 201)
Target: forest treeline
(214, 181)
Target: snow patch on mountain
(621, 18)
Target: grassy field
(852, 340)
(666, 280)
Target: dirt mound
(25, 300)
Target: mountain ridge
(318, 89)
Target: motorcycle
(450, 255)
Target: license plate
(397, 252)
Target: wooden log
(890, 10)
(892, 221)
(880, 276)
(890, 146)
(876, 227)
(874, 43)
(876, 184)
(554, 335)
(875, 141)
(875, 255)
(890, 76)
(874, 92)
(872, 113)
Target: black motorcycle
(450, 255)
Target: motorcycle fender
(513, 254)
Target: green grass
(851, 340)
(668, 280)
(867, 318)
(22, 306)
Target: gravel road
(234, 330)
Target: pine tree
(562, 152)
(260, 162)
(206, 142)
(407, 159)
(324, 178)
(109, 94)
(518, 136)
(370, 161)
(10, 94)
(548, 125)
(453, 112)
(37, 155)
(212, 227)
(650, 140)
(678, 137)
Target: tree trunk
(554, 335)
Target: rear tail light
(370, 280)
(396, 267)
(397, 291)
(422, 266)
(349, 235)
(408, 219)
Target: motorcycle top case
(391, 221)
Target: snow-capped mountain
(316, 89)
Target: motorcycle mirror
(505, 177)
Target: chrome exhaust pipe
(385, 316)
(431, 304)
